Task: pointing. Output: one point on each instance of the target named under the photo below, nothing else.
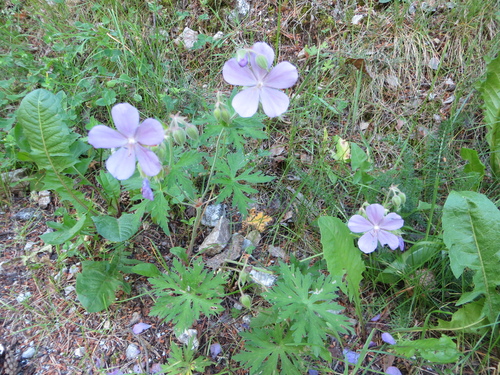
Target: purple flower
(376, 227)
(215, 350)
(262, 83)
(131, 138)
(146, 191)
(351, 357)
(387, 338)
(140, 327)
(391, 370)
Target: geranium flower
(253, 70)
(377, 228)
(131, 138)
(146, 190)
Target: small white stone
(434, 63)
(188, 37)
(242, 7)
(262, 278)
(132, 351)
(28, 353)
(80, 352)
(68, 290)
(23, 297)
(189, 335)
(357, 19)
(218, 35)
(29, 245)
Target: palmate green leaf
(442, 350)
(271, 350)
(471, 224)
(187, 292)
(490, 90)
(338, 244)
(229, 179)
(49, 137)
(97, 284)
(308, 304)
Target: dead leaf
(258, 220)
(360, 64)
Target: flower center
(376, 228)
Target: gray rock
(27, 214)
(189, 336)
(188, 37)
(233, 251)
(28, 353)
(263, 278)
(13, 179)
(217, 240)
(212, 214)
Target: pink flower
(131, 138)
(376, 228)
(253, 70)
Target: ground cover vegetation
(282, 187)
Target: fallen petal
(391, 370)
(140, 327)
(388, 339)
(351, 357)
(215, 350)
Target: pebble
(212, 214)
(27, 214)
(262, 278)
(132, 351)
(189, 335)
(80, 352)
(217, 240)
(23, 297)
(28, 353)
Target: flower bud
(179, 135)
(242, 57)
(146, 191)
(192, 132)
(403, 198)
(397, 201)
(262, 62)
(246, 300)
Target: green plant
(187, 292)
(182, 361)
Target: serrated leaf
(490, 90)
(442, 350)
(146, 269)
(271, 351)
(118, 230)
(308, 304)
(338, 244)
(471, 224)
(49, 137)
(186, 293)
(97, 284)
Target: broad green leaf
(118, 230)
(146, 269)
(341, 256)
(49, 137)
(490, 90)
(475, 168)
(471, 224)
(97, 284)
(442, 350)
(61, 236)
(468, 319)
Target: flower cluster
(252, 68)
(376, 228)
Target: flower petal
(102, 136)
(149, 162)
(140, 327)
(359, 224)
(283, 76)
(387, 338)
(391, 370)
(121, 164)
(375, 213)
(246, 102)
(387, 238)
(234, 74)
(274, 102)
(392, 222)
(368, 242)
(150, 132)
(126, 119)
